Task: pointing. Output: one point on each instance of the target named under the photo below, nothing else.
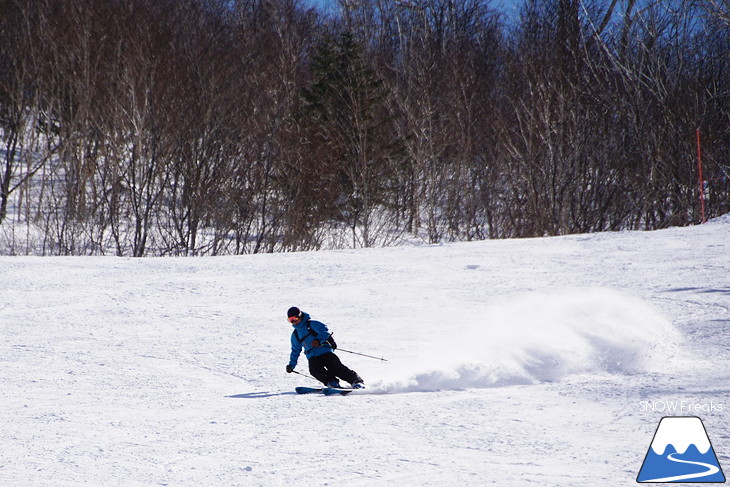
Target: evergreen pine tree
(347, 118)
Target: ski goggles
(293, 319)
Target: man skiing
(318, 344)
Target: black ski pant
(327, 368)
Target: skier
(318, 344)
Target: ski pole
(361, 354)
(305, 375)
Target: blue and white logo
(681, 452)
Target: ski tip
(307, 390)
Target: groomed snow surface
(511, 363)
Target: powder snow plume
(539, 337)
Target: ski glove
(289, 369)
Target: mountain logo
(681, 452)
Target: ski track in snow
(511, 363)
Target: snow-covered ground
(519, 362)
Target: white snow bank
(539, 337)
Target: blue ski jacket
(302, 337)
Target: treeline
(206, 127)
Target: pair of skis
(327, 391)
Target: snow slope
(511, 363)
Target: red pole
(702, 182)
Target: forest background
(209, 127)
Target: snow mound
(540, 337)
(722, 219)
